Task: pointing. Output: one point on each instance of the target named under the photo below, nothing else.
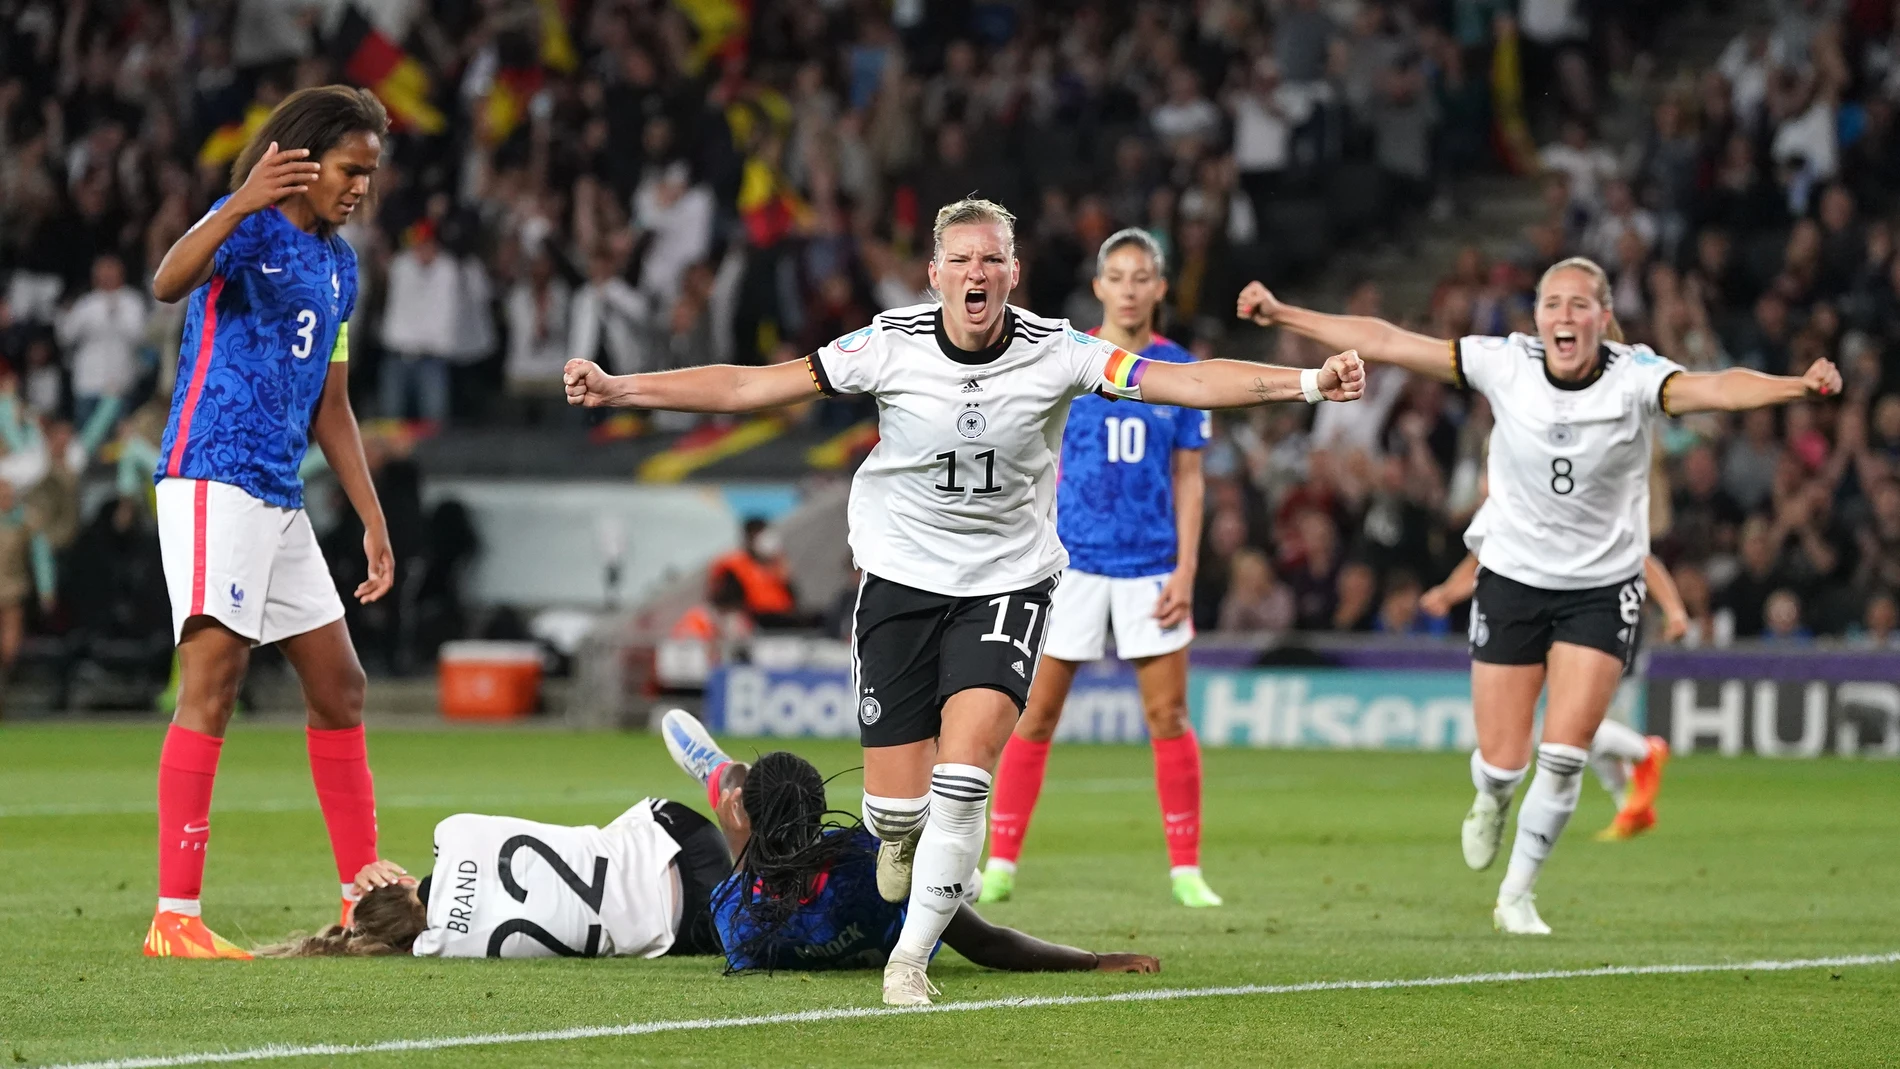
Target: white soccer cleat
(1483, 831)
(1517, 915)
(894, 861)
(907, 985)
(692, 747)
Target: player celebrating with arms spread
(263, 369)
(1560, 588)
(952, 519)
(1129, 512)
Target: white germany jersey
(510, 888)
(959, 495)
(1569, 462)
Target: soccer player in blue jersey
(1128, 508)
(803, 894)
(264, 369)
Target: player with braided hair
(660, 880)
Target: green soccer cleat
(1192, 891)
(999, 882)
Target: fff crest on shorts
(869, 709)
(970, 423)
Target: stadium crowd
(659, 184)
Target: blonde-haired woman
(952, 520)
(1560, 588)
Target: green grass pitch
(1336, 866)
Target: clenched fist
(586, 384)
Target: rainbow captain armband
(1123, 374)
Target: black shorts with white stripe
(911, 650)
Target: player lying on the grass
(1561, 589)
(1128, 508)
(1628, 765)
(659, 880)
(953, 521)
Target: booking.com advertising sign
(1324, 708)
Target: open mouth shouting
(1566, 342)
(975, 303)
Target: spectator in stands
(1782, 619)
(753, 580)
(537, 313)
(421, 318)
(1584, 164)
(103, 331)
(1255, 599)
(610, 322)
(1880, 623)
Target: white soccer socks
(898, 823)
(1547, 807)
(945, 859)
(1499, 783)
(1613, 750)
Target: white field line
(487, 801)
(276, 1051)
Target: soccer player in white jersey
(1130, 518)
(952, 519)
(1629, 766)
(1560, 586)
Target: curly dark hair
(784, 800)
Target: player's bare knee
(337, 702)
(1038, 724)
(1167, 720)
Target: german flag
(371, 60)
(227, 141)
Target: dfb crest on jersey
(1561, 434)
(970, 423)
(855, 340)
(869, 710)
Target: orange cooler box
(488, 680)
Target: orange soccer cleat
(181, 935)
(1638, 814)
(349, 913)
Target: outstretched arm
(995, 947)
(714, 388)
(1237, 383)
(1738, 389)
(1374, 339)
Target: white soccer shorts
(251, 566)
(1084, 607)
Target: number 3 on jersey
(306, 334)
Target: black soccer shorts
(911, 650)
(1514, 623)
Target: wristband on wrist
(1309, 386)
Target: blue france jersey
(1115, 503)
(846, 925)
(259, 339)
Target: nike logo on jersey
(199, 828)
(269, 270)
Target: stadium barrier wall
(1400, 709)
(1376, 695)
